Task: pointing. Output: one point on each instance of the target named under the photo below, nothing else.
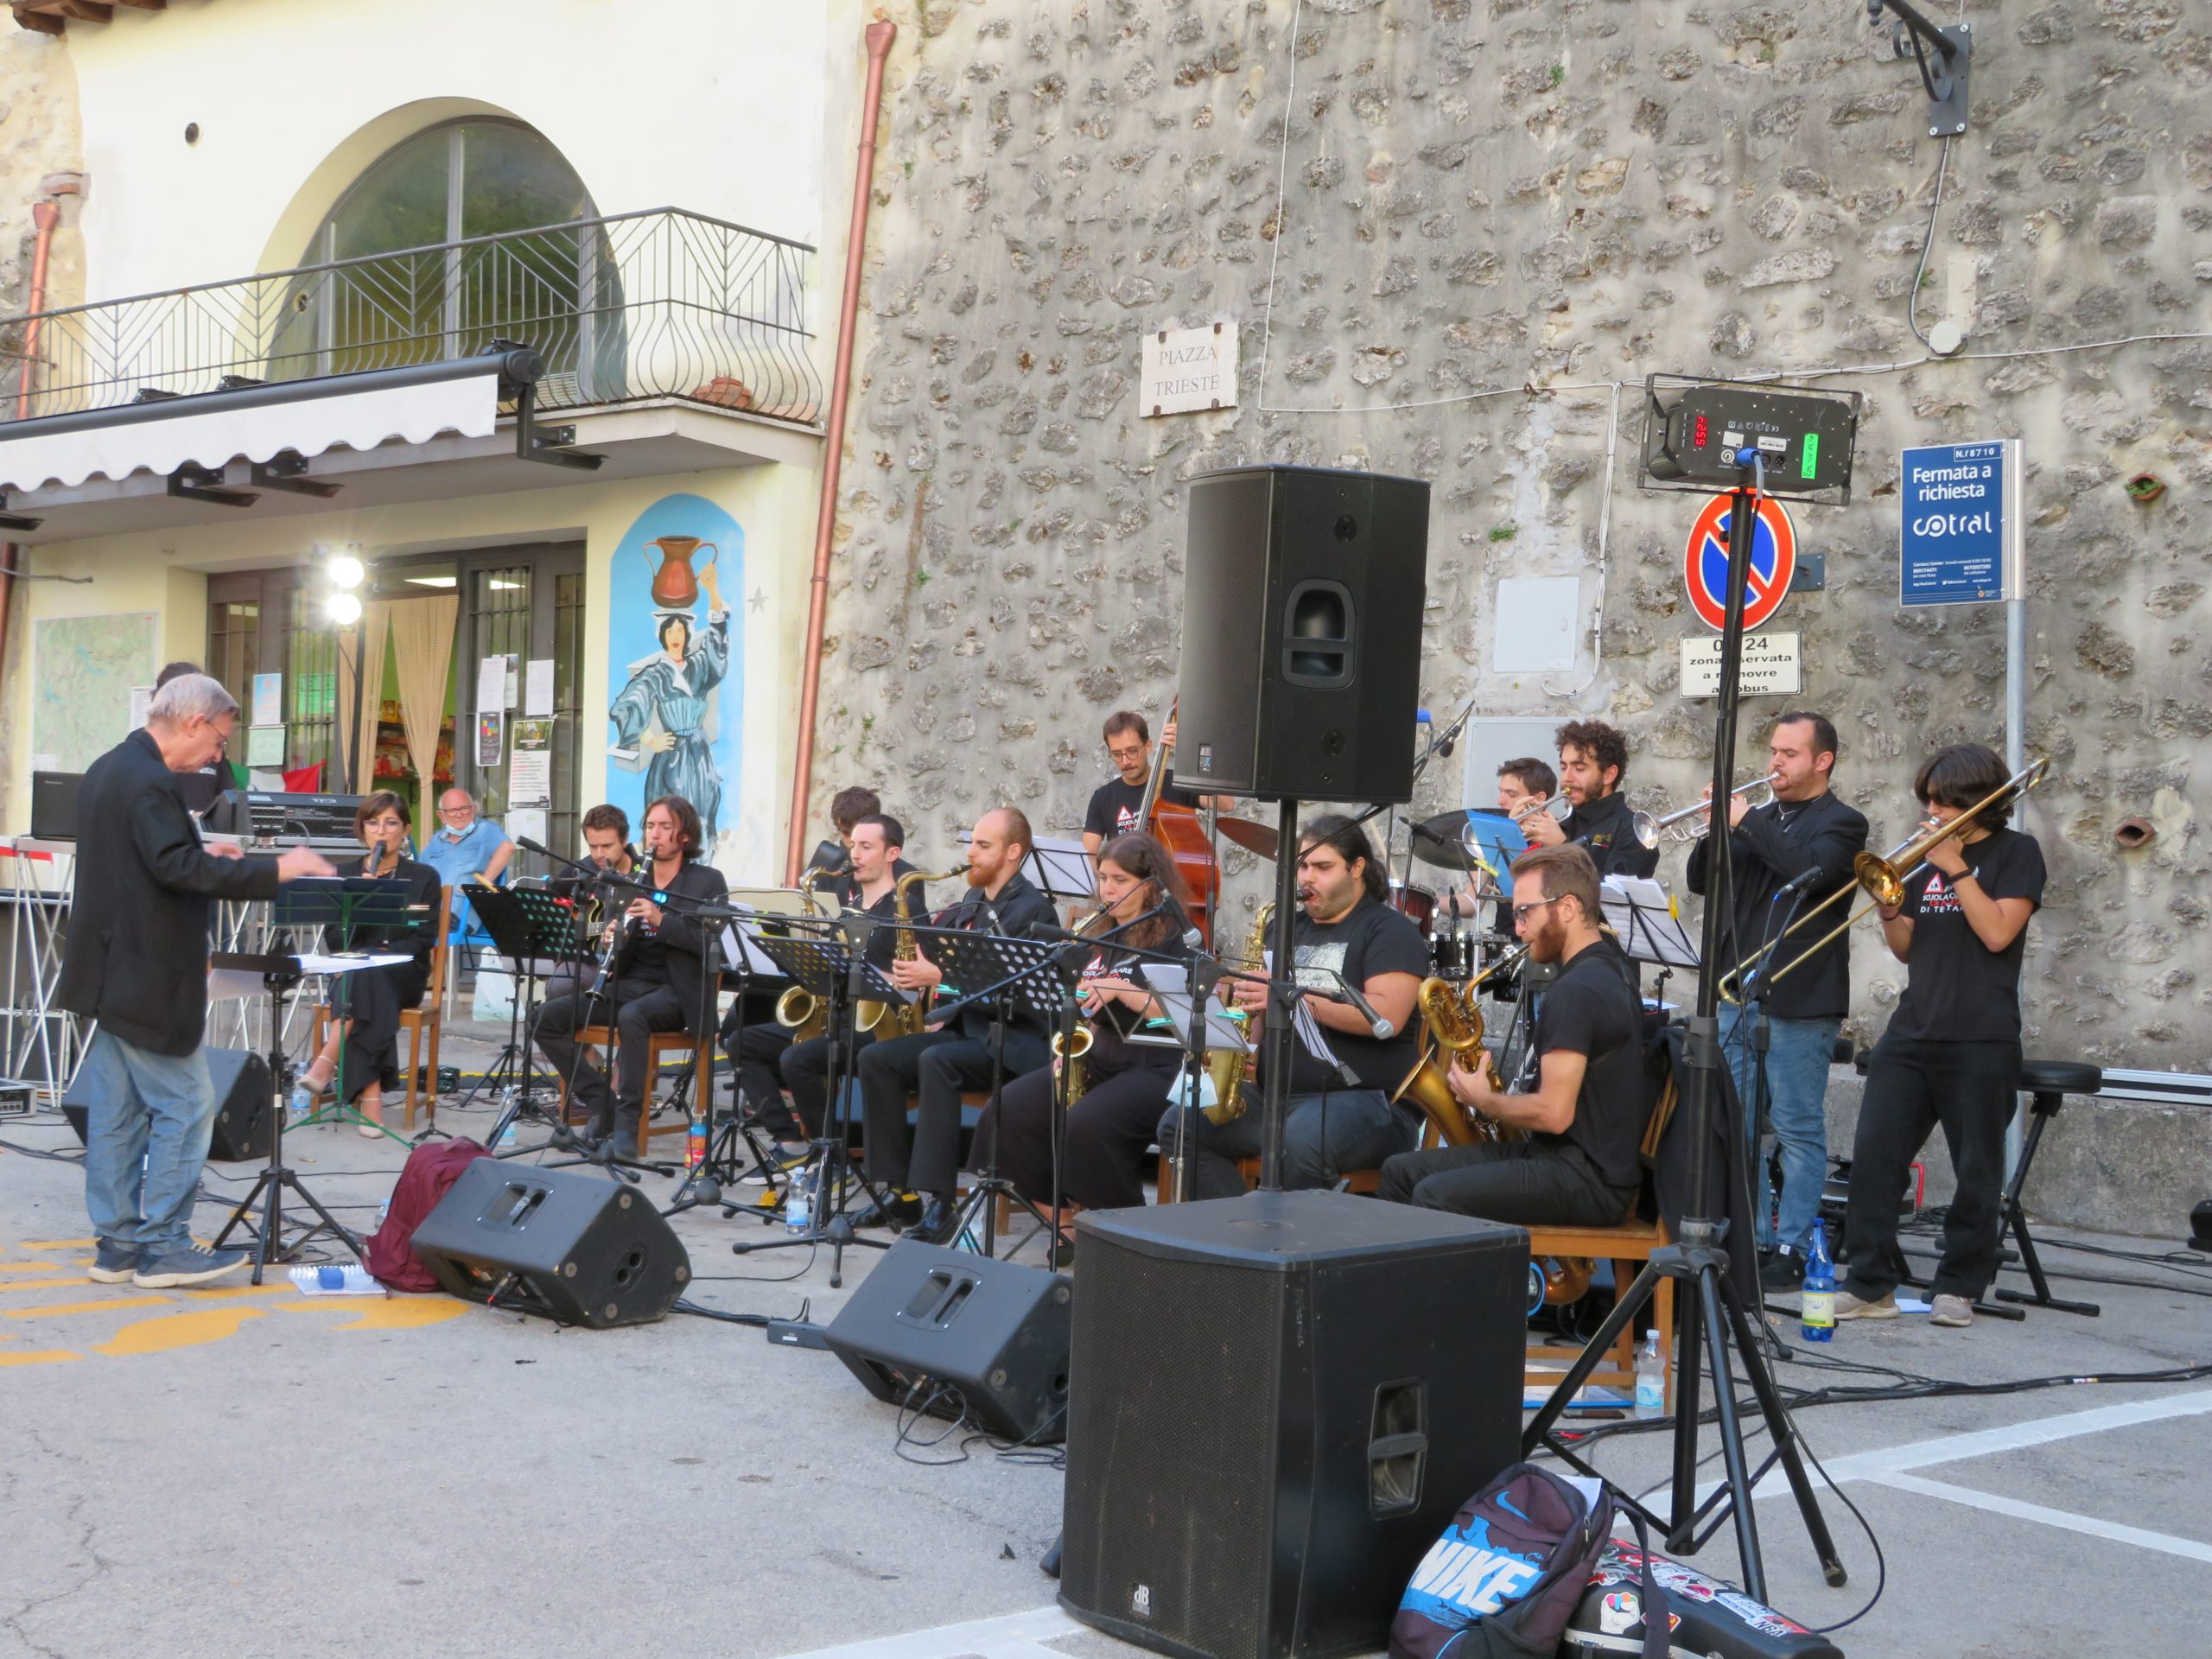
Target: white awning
(214, 429)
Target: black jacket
(1603, 827)
(680, 935)
(423, 885)
(1018, 906)
(136, 955)
(1823, 833)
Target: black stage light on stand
(1754, 439)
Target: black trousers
(1523, 1183)
(935, 1065)
(637, 1011)
(1324, 1136)
(373, 1000)
(754, 1053)
(1971, 1089)
(1109, 1130)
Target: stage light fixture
(346, 571)
(343, 609)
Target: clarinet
(616, 938)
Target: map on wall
(83, 668)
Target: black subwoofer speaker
(579, 1248)
(242, 1104)
(1276, 1403)
(1302, 593)
(953, 1333)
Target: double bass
(1181, 831)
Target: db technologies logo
(1141, 1601)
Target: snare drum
(1416, 905)
(1454, 955)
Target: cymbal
(1436, 840)
(1252, 837)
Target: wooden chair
(425, 1021)
(658, 1046)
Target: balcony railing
(663, 304)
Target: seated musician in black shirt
(362, 1054)
(655, 979)
(764, 1057)
(607, 847)
(1593, 771)
(1116, 805)
(1127, 1085)
(1339, 1116)
(1577, 1161)
(937, 1064)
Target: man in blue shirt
(464, 847)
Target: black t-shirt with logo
(1959, 990)
(1591, 1009)
(1604, 828)
(1115, 807)
(1370, 939)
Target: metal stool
(2046, 1084)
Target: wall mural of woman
(676, 661)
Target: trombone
(1647, 829)
(1882, 876)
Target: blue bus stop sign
(1957, 500)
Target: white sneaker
(1956, 1311)
(1848, 1307)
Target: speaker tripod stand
(1712, 1311)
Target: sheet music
(1302, 1020)
(1172, 986)
(1641, 912)
(739, 947)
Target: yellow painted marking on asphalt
(274, 1287)
(26, 1266)
(112, 1305)
(41, 1284)
(59, 1244)
(40, 1356)
(394, 1314)
(158, 1336)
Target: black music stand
(281, 977)
(342, 904)
(529, 927)
(842, 973)
(1014, 977)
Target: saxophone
(1068, 1052)
(1228, 1069)
(798, 1007)
(908, 1017)
(1452, 1022)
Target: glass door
(522, 605)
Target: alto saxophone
(798, 1007)
(1229, 1070)
(1452, 1022)
(1068, 1052)
(907, 1019)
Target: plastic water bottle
(507, 1134)
(1816, 1308)
(1651, 1378)
(336, 1279)
(695, 1141)
(798, 1201)
(299, 1107)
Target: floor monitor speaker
(952, 1333)
(243, 1103)
(1302, 594)
(575, 1248)
(1277, 1403)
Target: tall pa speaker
(1302, 592)
(242, 1104)
(955, 1334)
(579, 1248)
(1277, 1401)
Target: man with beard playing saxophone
(1578, 1163)
(1126, 1085)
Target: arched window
(395, 274)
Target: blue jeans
(1324, 1137)
(157, 1110)
(1798, 1055)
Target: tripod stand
(281, 975)
(531, 930)
(1712, 1311)
(711, 1149)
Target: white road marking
(2012, 1437)
(2165, 1543)
(1009, 1635)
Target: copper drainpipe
(880, 36)
(45, 216)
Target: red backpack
(389, 1254)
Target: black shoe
(1782, 1271)
(897, 1209)
(937, 1225)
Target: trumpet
(1647, 829)
(1884, 876)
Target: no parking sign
(1774, 561)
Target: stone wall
(1493, 209)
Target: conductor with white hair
(137, 961)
